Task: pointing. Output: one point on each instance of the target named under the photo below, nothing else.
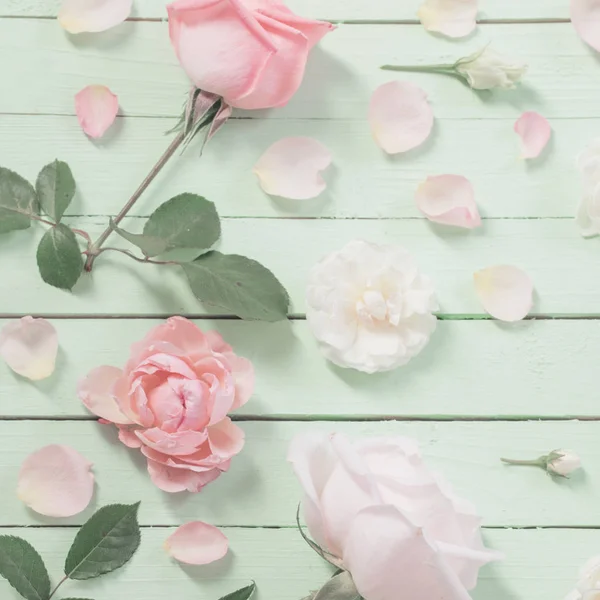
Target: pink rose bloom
(171, 401)
(251, 52)
(394, 524)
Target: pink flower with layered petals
(171, 401)
(260, 46)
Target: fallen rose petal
(506, 292)
(96, 108)
(291, 168)
(450, 200)
(56, 481)
(534, 131)
(78, 16)
(29, 346)
(400, 116)
(197, 543)
(585, 16)
(453, 18)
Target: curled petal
(197, 543)
(96, 108)
(226, 439)
(173, 480)
(29, 346)
(450, 200)
(400, 116)
(78, 16)
(291, 168)
(534, 131)
(96, 391)
(585, 16)
(453, 18)
(56, 481)
(506, 292)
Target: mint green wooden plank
(138, 63)
(385, 10)
(471, 368)
(362, 183)
(563, 266)
(539, 565)
(260, 489)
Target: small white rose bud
(487, 69)
(557, 462)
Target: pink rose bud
(251, 52)
(171, 401)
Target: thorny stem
(145, 260)
(58, 585)
(95, 248)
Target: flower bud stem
(538, 462)
(442, 68)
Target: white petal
(197, 543)
(96, 108)
(534, 131)
(291, 168)
(506, 292)
(454, 18)
(585, 16)
(56, 481)
(400, 116)
(78, 16)
(29, 346)
(450, 200)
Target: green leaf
(55, 188)
(239, 285)
(59, 257)
(23, 568)
(339, 587)
(105, 542)
(242, 594)
(150, 246)
(76, 599)
(186, 221)
(17, 201)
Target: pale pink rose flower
(260, 46)
(171, 401)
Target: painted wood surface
(338, 10)
(364, 182)
(137, 62)
(563, 266)
(470, 369)
(540, 564)
(261, 489)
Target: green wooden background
(479, 391)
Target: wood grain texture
(470, 369)
(563, 266)
(363, 181)
(338, 10)
(261, 490)
(138, 64)
(539, 565)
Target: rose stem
(59, 584)
(538, 462)
(162, 161)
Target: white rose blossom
(369, 307)
(588, 585)
(588, 214)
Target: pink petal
(179, 443)
(96, 108)
(585, 16)
(450, 200)
(226, 439)
(291, 168)
(173, 480)
(29, 346)
(197, 543)
(56, 481)
(96, 391)
(78, 16)
(505, 291)
(534, 131)
(454, 18)
(400, 116)
(243, 373)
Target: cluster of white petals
(369, 307)
(486, 69)
(588, 585)
(588, 215)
